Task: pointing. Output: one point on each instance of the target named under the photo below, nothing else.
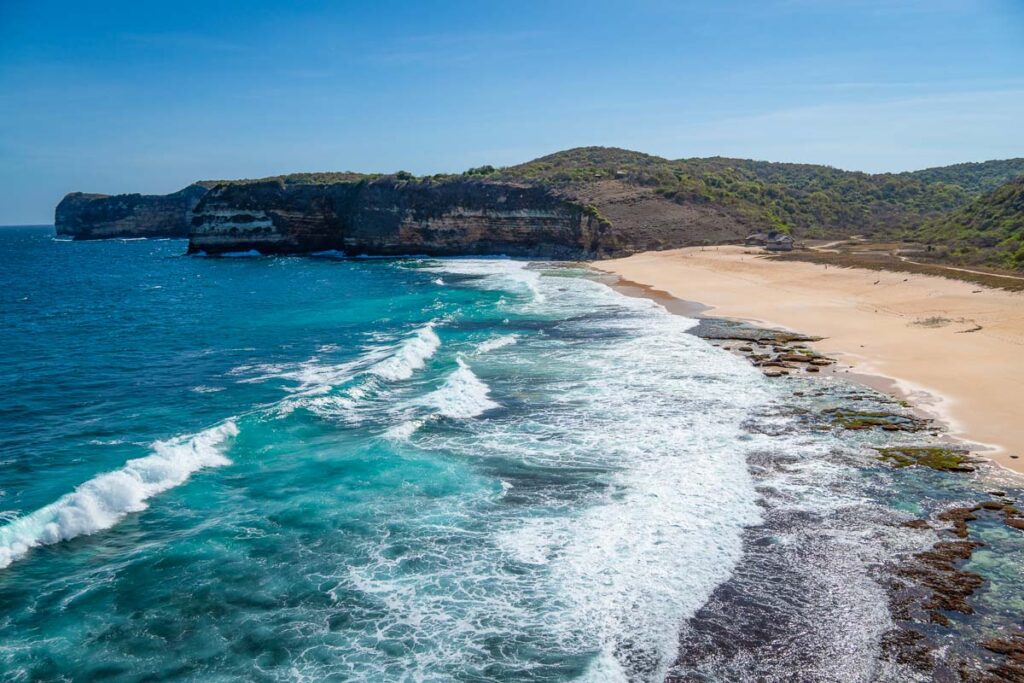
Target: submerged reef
(946, 539)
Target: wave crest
(411, 355)
(462, 395)
(497, 274)
(106, 499)
(495, 343)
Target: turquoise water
(373, 469)
(395, 469)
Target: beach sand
(954, 349)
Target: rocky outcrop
(392, 216)
(644, 220)
(84, 216)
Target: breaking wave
(313, 377)
(495, 343)
(411, 355)
(106, 499)
(402, 431)
(103, 501)
(462, 395)
(497, 274)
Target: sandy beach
(954, 349)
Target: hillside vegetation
(967, 213)
(810, 200)
(989, 230)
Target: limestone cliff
(585, 202)
(97, 216)
(389, 216)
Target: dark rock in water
(860, 419)
(770, 363)
(732, 330)
(935, 457)
(1012, 648)
(96, 216)
(938, 586)
(917, 524)
(908, 646)
(936, 569)
(959, 517)
(1016, 523)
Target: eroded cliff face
(96, 216)
(388, 216)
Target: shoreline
(952, 350)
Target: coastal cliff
(390, 216)
(591, 202)
(83, 216)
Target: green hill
(730, 196)
(809, 200)
(977, 178)
(989, 230)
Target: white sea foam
(204, 389)
(495, 343)
(310, 377)
(497, 274)
(106, 499)
(410, 356)
(463, 394)
(403, 430)
(317, 386)
(625, 493)
(620, 389)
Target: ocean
(416, 469)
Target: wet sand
(952, 348)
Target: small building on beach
(773, 240)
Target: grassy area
(889, 262)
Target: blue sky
(147, 97)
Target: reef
(935, 457)
(929, 588)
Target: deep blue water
(374, 470)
